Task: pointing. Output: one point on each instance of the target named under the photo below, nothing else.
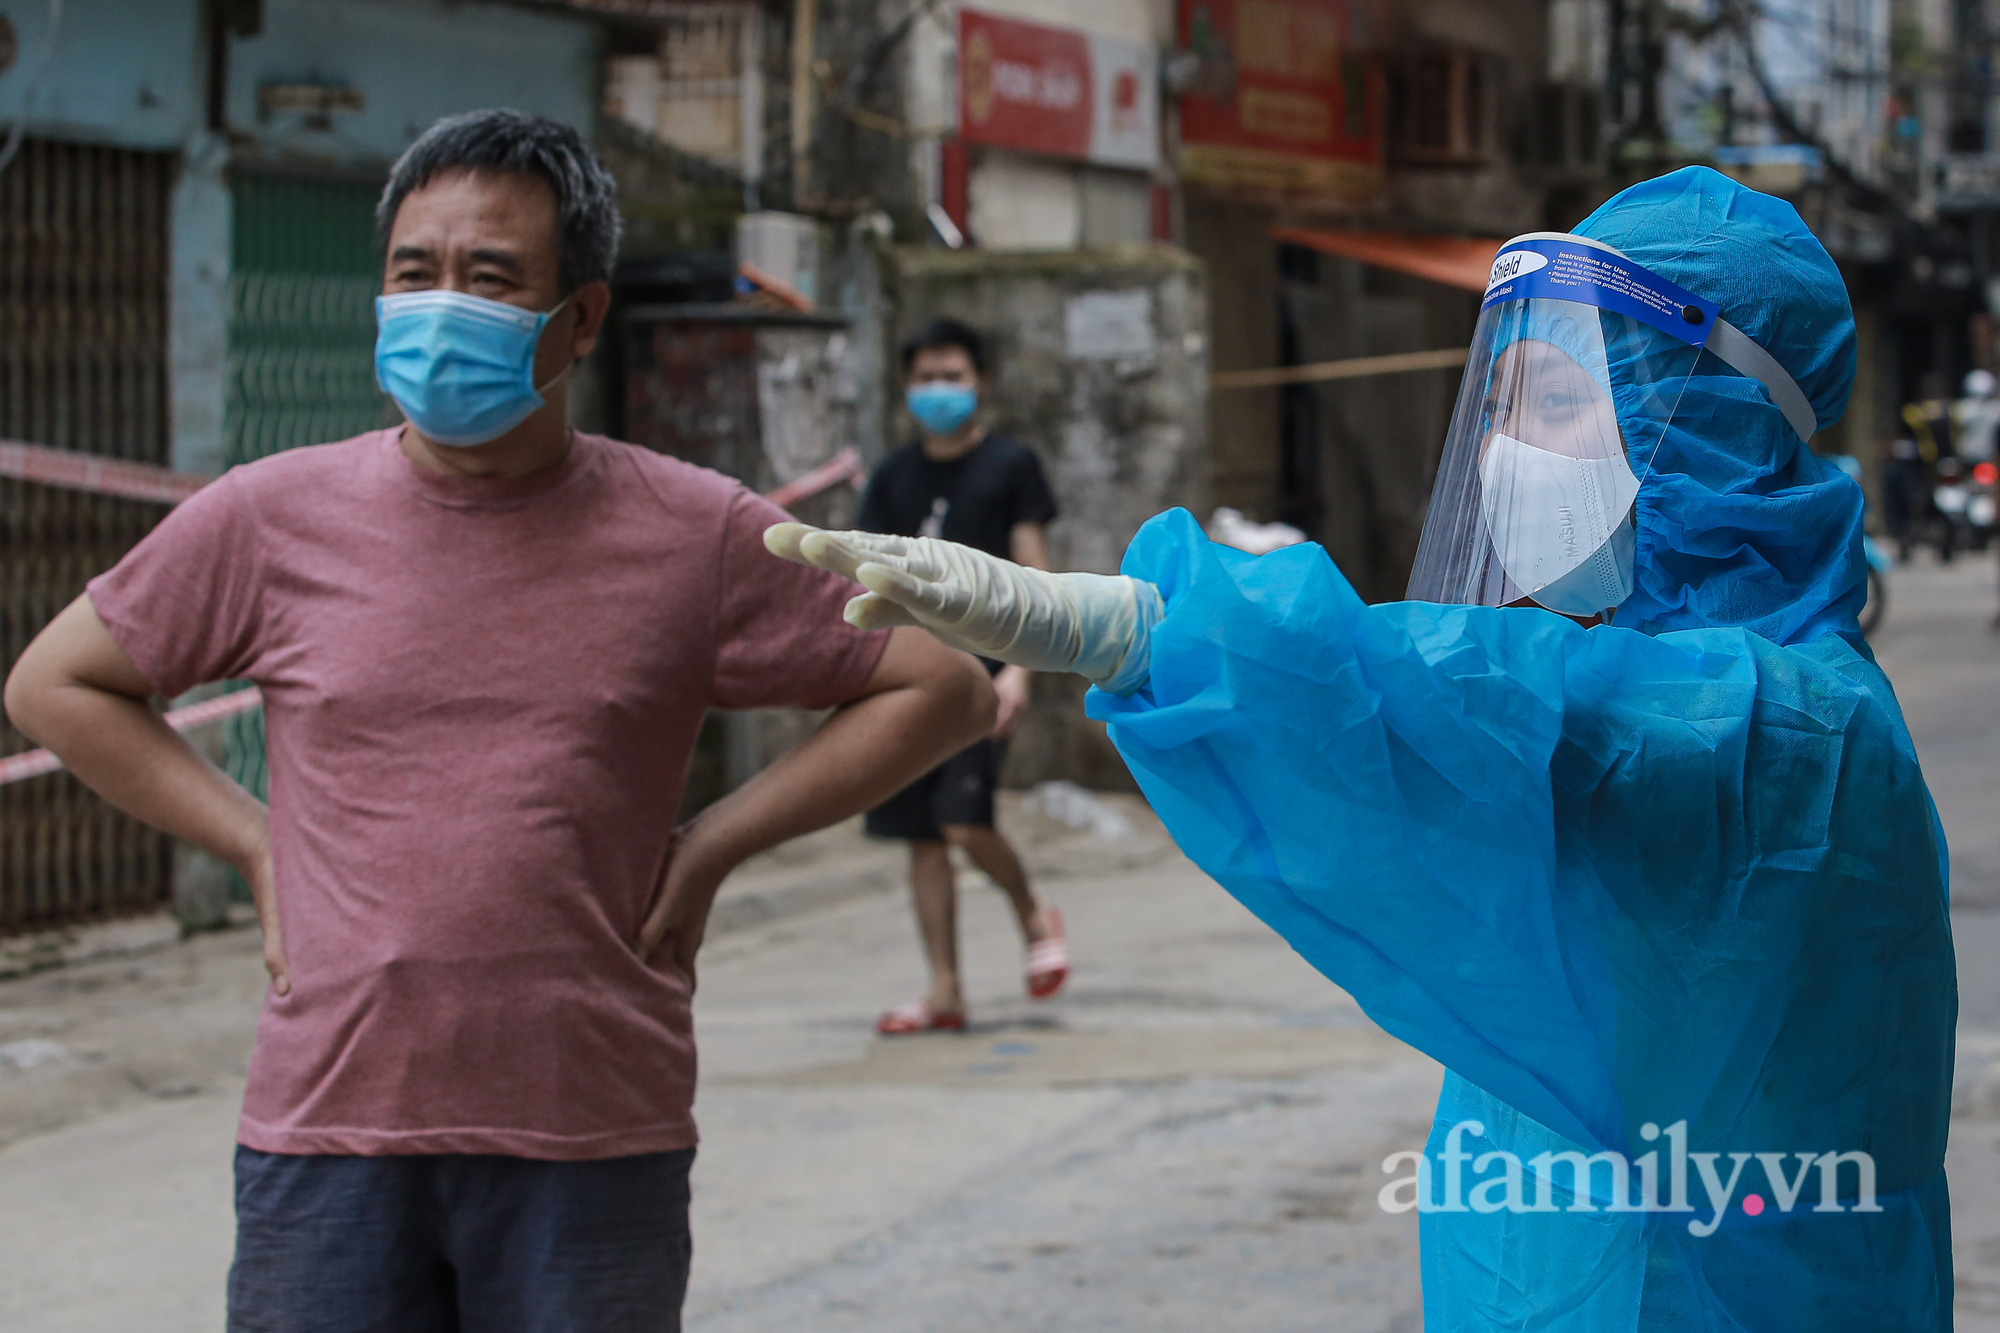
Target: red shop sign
(1287, 101)
(1024, 86)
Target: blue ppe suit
(1678, 868)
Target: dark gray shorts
(459, 1244)
(958, 791)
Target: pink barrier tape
(843, 466)
(142, 481)
(777, 287)
(35, 763)
(91, 472)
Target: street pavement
(1191, 1137)
(1939, 650)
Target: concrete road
(1938, 648)
(1190, 1138)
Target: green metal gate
(303, 279)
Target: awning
(1457, 261)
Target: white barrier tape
(36, 763)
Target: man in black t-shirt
(964, 483)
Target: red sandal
(916, 1016)
(1048, 960)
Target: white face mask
(1557, 523)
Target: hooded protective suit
(1678, 868)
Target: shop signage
(1284, 102)
(1060, 92)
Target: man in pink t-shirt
(485, 644)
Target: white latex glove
(1096, 625)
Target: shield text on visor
(1576, 368)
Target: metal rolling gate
(83, 366)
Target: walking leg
(934, 890)
(992, 853)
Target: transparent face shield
(1568, 389)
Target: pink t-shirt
(481, 698)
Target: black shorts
(442, 1242)
(958, 791)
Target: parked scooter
(1949, 498)
(1982, 507)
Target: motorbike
(1982, 507)
(1950, 498)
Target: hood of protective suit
(1739, 522)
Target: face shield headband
(1568, 389)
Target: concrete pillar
(198, 250)
(198, 295)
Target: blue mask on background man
(461, 367)
(942, 408)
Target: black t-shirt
(975, 499)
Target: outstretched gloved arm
(1096, 625)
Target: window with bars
(1562, 128)
(83, 366)
(1442, 107)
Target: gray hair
(587, 222)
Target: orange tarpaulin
(1459, 261)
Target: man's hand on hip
(922, 704)
(674, 925)
(75, 691)
(257, 873)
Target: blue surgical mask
(942, 408)
(461, 367)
